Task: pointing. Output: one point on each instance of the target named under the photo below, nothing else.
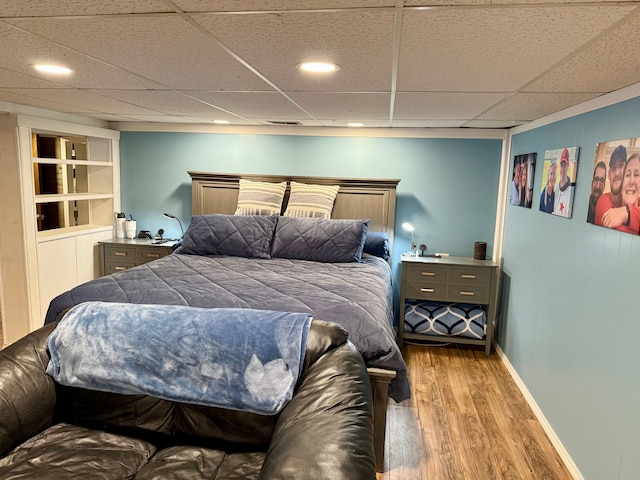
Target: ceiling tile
(611, 63)
(529, 106)
(80, 100)
(147, 46)
(38, 8)
(352, 107)
(10, 78)
(26, 99)
(443, 105)
(277, 5)
(492, 49)
(28, 49)
(166, 101)
(360, 42)
(484, 3)
(422, 123)
(492, 123)
(166, 119)
(251, 104)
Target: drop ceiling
(441, 64)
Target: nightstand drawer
(119, 253)
(113, 267)
(426, 273)
(469, 276)
(148, 254)
(425, 291)
(468, 293)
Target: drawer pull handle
(468, 294)
(427, 290)
(153, 255)
(120, 254)
(428, 274)
(472, 277)
(120, 268)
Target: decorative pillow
(377, 243)
(319, 239)
(238, 236)
(311, 201)
(260, 198)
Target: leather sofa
(51, 431)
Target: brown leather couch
(48, 431)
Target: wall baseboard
(555, 441)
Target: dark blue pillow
(235, 235)
(377, 243)
(319, 239)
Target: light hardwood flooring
(466, 420)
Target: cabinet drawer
(468, 293)
(148, 254)
(425, 291)
(113, 267)
(118, 253)
(469, 276)
(426, 273)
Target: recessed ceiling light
(221, 122)
(54, 69)
(318, 67)
(355, 124)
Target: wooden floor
(466, 420)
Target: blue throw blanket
(240, 359)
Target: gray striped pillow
(311, 201)
(260, 198)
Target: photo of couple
(615, 186)
(524, 168)
(558, 181)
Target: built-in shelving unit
(59, 190)
(73, 181)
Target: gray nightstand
(450, 279)
(118, 254)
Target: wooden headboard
(374, 199)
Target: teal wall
(448, 187)
(570, 322)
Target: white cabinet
(59, 190)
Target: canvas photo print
(615, 186)
(558, 181)
(521, 191)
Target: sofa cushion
(200, 463)
(23, 385)
(71, 451)
(81, 406)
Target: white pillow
(260, 198)
(311, 201)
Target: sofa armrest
(27, 393)
(326, 429)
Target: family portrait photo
(615, 186)
(558, 181)
(521, 192)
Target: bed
(354, 294)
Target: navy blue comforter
(356, 295)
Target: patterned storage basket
(439, 318)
